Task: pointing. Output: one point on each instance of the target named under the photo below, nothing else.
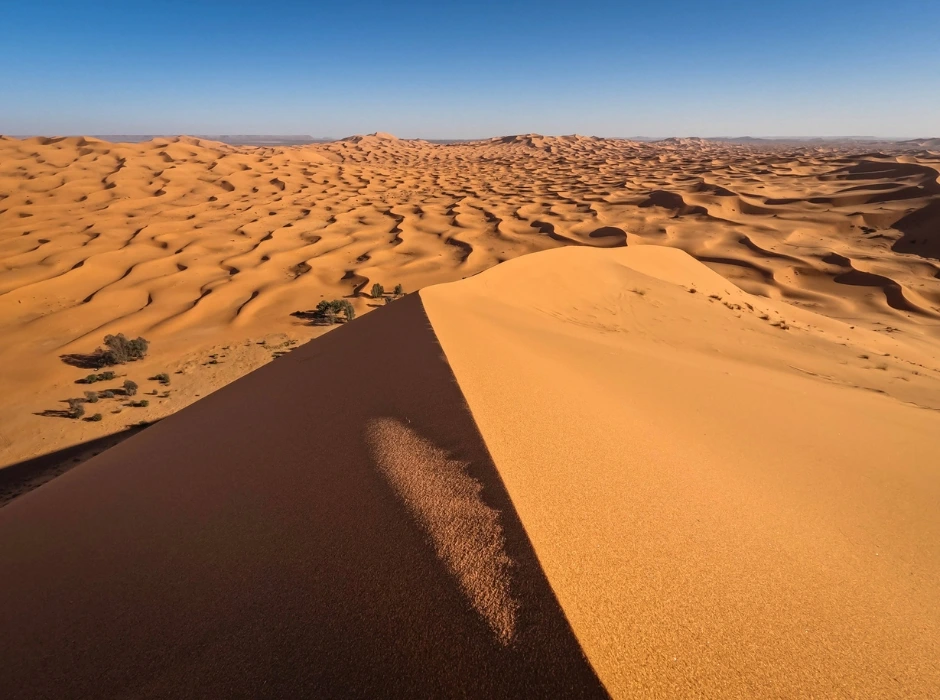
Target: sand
(206, 249)
(685, 449)
(581, 473)
(727, 497)
(267, 542)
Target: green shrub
(91, 396)
(377, 290)
(95, 418)
(76, 408)
(163, 378)
(325, 312)
(130, 388)
(143, 403)
(349, 312)
(107, 394)
(399, 291)
(90, 379)
(119, 349)
(106, 376)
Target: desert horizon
(357, 350)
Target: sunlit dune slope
(730, 497)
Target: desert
(604, 418)
(207, 249)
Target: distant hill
(932, 144)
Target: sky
(458, 69)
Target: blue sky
(471, 69)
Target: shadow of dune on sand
(18, 479)
(921, 229)
(262, 540)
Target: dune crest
(466, 533)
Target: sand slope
(729, 497)
(206, 248)
(303, 532)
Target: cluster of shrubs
(102, 377)
(118, 350)
(76, 407)
(163, 378)
(378, 291)
(329, 311)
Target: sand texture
(726, 497)
(206, 249)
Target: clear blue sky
(460, 69)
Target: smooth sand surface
(206, 249)
(309, 531)
(730, 496)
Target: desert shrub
(130, 388)
(328, 312)
(90, 379)
(76, 408)
(95, 418)
(377, 290)
(107, 394)
(388, 300)
(106, 376)
(163, 378)
(91, 396)
(325, 312)
(119, 349)
(398, 291)
(348, 311)
(143, 403)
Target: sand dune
(206, 249)
(271, 541)
(582, 473)
(728, 496)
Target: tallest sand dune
(584, 472)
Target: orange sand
(206, 249)
(730, 496)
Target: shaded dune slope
(730, 497)
(291, 535)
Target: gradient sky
(456, 69)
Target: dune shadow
(921, 232)
(22, 477)
(256, 540)
(611, 236)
